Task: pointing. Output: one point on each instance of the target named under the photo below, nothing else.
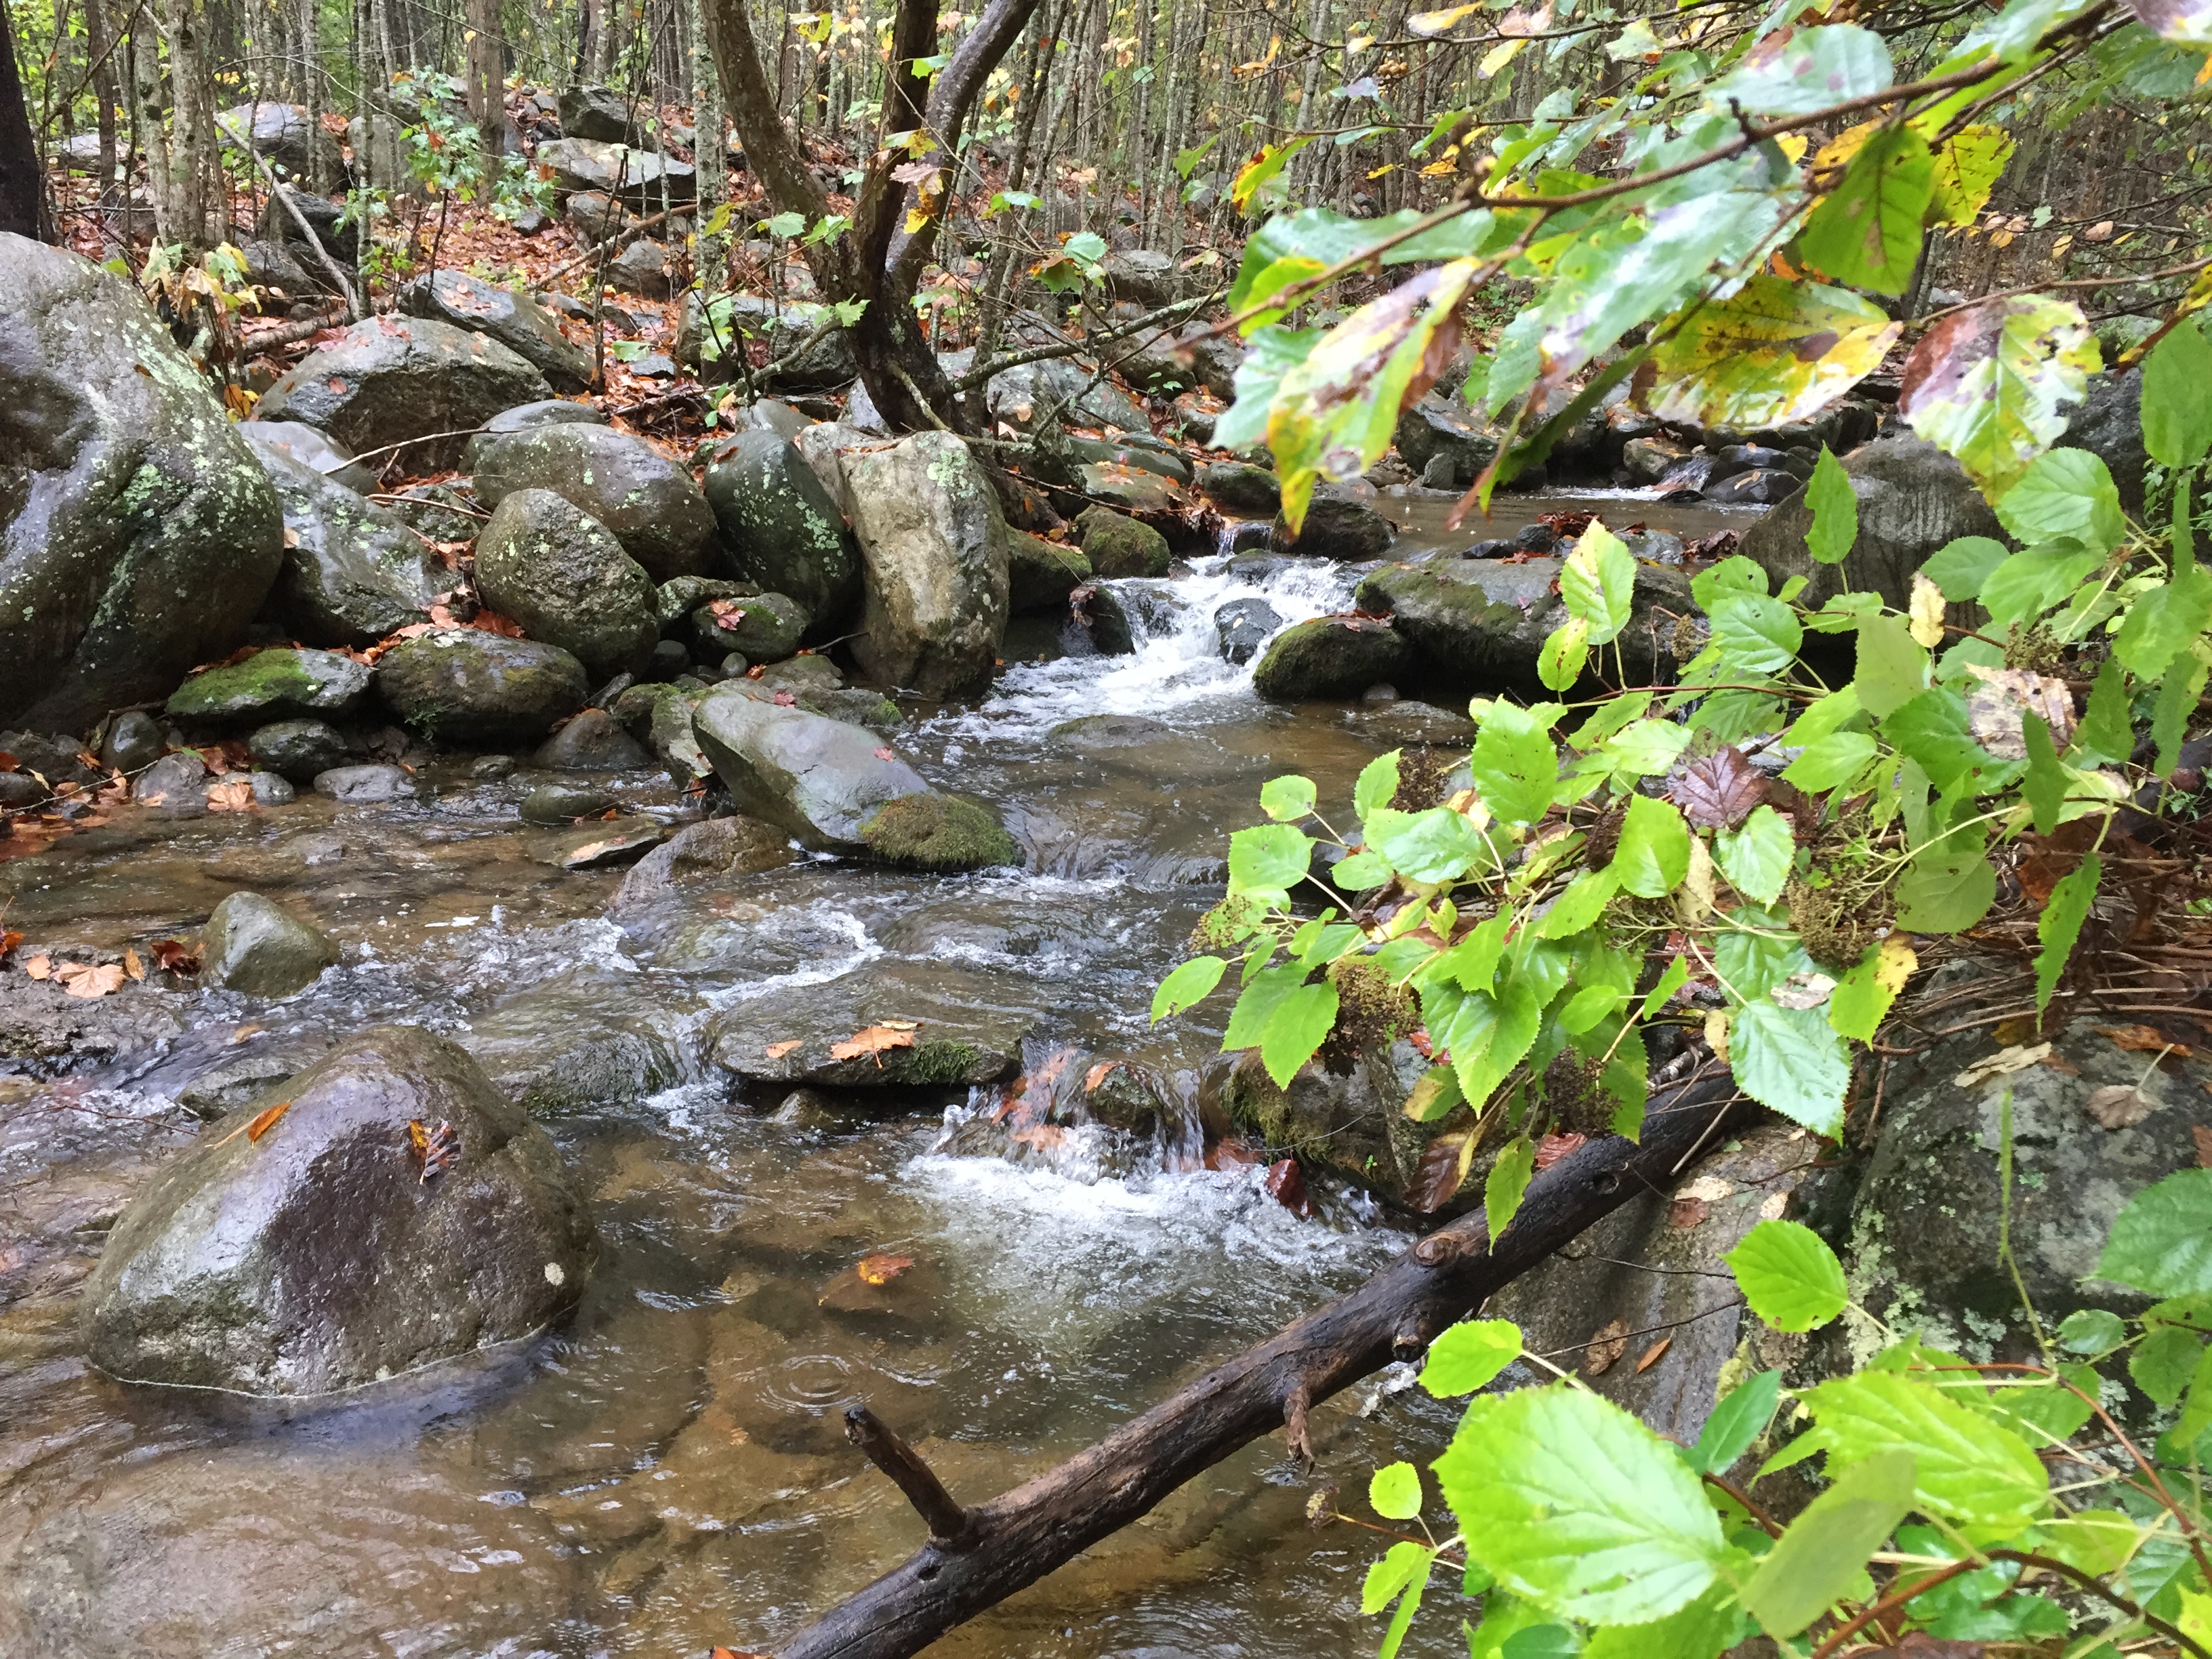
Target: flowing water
(667, 1472)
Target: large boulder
(648, 500)
(935, 545)
(281, 223)
(1242, 488)
(1338, 526)
(1020, 396)
(472, 689)
(352, 571)
(313, 450)
(515, 320)
(283, 683)
(784, 529)
(327, 1252)
(1144, 276)
(249, 944)
(137, 535)
(1040, 574)
(740, 320)
(638, 177)
(1912, 498)
(562, 575)
(1478, 625)
(388, 379)
(1434, 426)
(1118, 545)
(599, 114)
(283, 135)
(1330, 657)
(528, 418)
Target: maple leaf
(1717, 791)
(176, 956)
(231, 797)
(84, 981)
(726, 612)
(433, 1151)
(874, 1040)
(885, 754)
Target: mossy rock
(1040, 574)
(278, 684)
(1118, 545)
(939, 832)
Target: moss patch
(938, 832)
(940, 1062)
(1118, 545)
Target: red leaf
(1717, 791)
(1286, 1185)
(1552, 1148)
(785, 700)
(1440, 1174)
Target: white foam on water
(835, 941)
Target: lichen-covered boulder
(515, 320)
(526, 418)
(1118, 545)
(562, 575)
(785, 531)
(137, 535)
(650, 503)
(470, 689)
(388, 379)
(935, 541)
(1242, 488)
(711, 340)
(283, 683)
(327, 1253)
(1330, 657)
(352, 571)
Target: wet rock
(1091, 732)
(938, 832)
(224, 1087)
(934, 543)
(599, 114)
(1242, 487)
(648, 501)
(283, 135)
(642, 268)
(137, 538)
(1762, 487)
(562, 574)
(581, 1041)
(312, 450)
(1100, 622)
(1648, 459)
(281, 683)
(677, 598)
(1040, 574)
(1168, 361)
(1404, 722)
(1338, 526)
(388, 380)
(352, 571)
(47, 1032)
(857, 706)
(1243, 626)
(670, 659)
(741, 319)
(1117, 545)
(785, 531)
(592, 742)
(173, 784)
(134, 741)
(364, 785)
(762, 627)
(250, 944)
(335, 1263)
(597, 217)
(490, 769)
(515, 320)
(1329, 656)
(707, 855)
(1434, 427)
(270, 790)
(962, 1032)
(561, 804)
(1130, 488)
(440, 511)
(528, 418)
(822, 447)
(1019, 397)
(1912, 498)
(463, 686)
(610, 845)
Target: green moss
(938, 832)
(265, 677)
(1118, 545)
(938, 1063)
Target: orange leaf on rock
(2143, 1039)
(133, 964)
(9, 762)
(1286, 1185)
(778, 1050)
(1684, 1213)
(265, 1121)
(8, 940)
(786, 700)
(1552, 1148)
(874, 1040)
(882, 1268)
(2202, 1137)
(1228, 1154)
(1097, 1074)
(231, 798)
(87, 982)
(885, 754)
(1653, 1354)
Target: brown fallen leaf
(1717, 791)
(2119, 1105)
(1552, 1148)
(2058, 1062)
(246, 1034)
(231, 797)
(86, 981)
(1441, 1171)
(2202, 1137)
(882, 1268)
(8, 940)
(433, 1151)
(874, 1040)
(1045, 1137)
(1653, 1354)
(38, 966)
(778, 1050)
(885, 754)
(1684, 1213)
(1996, 709)
(265, 1121)
(9, 762)
(2017, 1029)
(2143, 1040)
(1097, 1074)
(726, 612)
(1229, 1153)
(1605, 1348)
(1286, 1185)
(786, 700)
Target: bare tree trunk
(311, 96)
(102, 44)
(486, 74)
(22, 180)
(708, 153)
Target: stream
(667, 1472)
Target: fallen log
(977, 1558)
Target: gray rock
(352, 571)
(173, 784)
(822, 447)
(134, 741)
(1648, 459)
(642, 268)
(596, 217)
(1433, 426)
(335, 1263)
(1096, 610)
(705, 854)
(283, 135)
(774, 415)
(599, 114)
(592, 742)
(562, 575)
(648, 501)
(1243, 626)
(515, 320)
(785, 532)
(270, 790)
(1019, 396)
(332, 236)
(363, 784)
(1118, 545)
(137, 538)
(1912, 498)
(1040, 574)
(438, 511)
(609, 845)
(764, 628)
(312, 450)
(229, 1084)
(464, 686)
(299, 750)
(670, 659)
(1143, 278)
(388, 380)
(1763, 488)
(249, 944)
(1329, 656)
(1338, 526)
(739, 319)
(675, 599)
(964, 1033)
(561, 804)
(584, 1041)
(638, 177)
(1242, 488)
(935, 545)
(283, 683)
(527, 417)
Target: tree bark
(22, 180)
(1008, 1543)
(487, 53)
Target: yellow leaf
(1839, 150)
(1926, 613)
(1894, 964)
(1717, 1032)
(1392, 167)
(1436, 22)
(915, 219)
(1498, 57)
(1434, 169)
(1791, 145)
(1359, 43)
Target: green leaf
(1377, 784)
(2060, 924)
(1933, 730)
(1358, 871)
(2065, 495)
(1866, 232)
(785, 224)
(1472, 964)
(2177, 706)
(1789, 1275)
(2162, 1364)
(1653, 853)
(1893, 666)
(1469, 1356)
(2092, 1331)
(1432, 845)
(1270, 353)
(1486, 1034)
(1287, 799)
(2027, 584)
(1190, 984)
(2043, 786)
(1581, 904)
(1790, 1059)
(1706, 1628)
(1832, 762)
(1815, 1563)
(1589, 1006)
(1541, 1641)
(2161, 1242)
(1566, 652)
(1775, 351)
(2163, 622)
(1299, 1023)
(1515, 768)
(1394, 1492)
(1647, 748)
(1967, 168)
(2197, 1413)
(1508, 1180)
(1946, 890)
(1434, 1095)
(2106, 731)
(1835, 508)
(1803, 73)
(1965, 1466)
(1960, 566)
(1862, 998)
(1755, 635)
(1269, 858)
(1570, 1502)
(1756, 858)
(1255, 172)
(1597, 581)
(2098, 1541)
(1388, 1578)
(1986, 385)
(2176, 397)
(1736, 1422)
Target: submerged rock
(320, 1256)
(1329, 656)
(250, 944)
(648, 500)
(938, 832)
(562, 803)
(784, 529)
(281, 682)
(354, 571)
(704, 855)
(562, 575)
(583, 1041)
(137, 536)
(464, 686)
(935, 545)
(364, 785)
